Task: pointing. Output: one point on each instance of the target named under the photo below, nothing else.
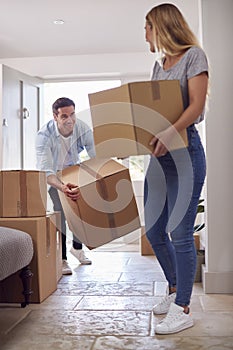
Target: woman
(176, 177)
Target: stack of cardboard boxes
(23, 201)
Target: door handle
(4, 122)
(25, 113)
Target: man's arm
(70, 190)
(45, 161)
(54, 181)
(44, 154)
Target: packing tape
(155, 90)
(22, 208)
(48, 238)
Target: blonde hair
(172, 32)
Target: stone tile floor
(107, 305)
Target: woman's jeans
(172, 189)
(58, 207)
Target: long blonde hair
(172, 32)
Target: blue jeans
(172, 190)
(53, 192)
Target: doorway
(21, 107)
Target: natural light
(78, 92)
(75, 90)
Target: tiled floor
(107, 306)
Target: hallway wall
(217, 38)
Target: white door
(21, 106)
(30, 123)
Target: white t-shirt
(65, 158)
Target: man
(58, 145)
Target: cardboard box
(23, 193)
(126, 118)
(56, 219)
(196, 237)
(106, 209)
(145, 245)
(146, 248)
(43, 265)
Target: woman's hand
(162, 141)
(71, 191)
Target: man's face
(65, 119)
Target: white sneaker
(163, 306)
(175, 321)
(66, 270)
(80, 255)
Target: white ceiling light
(58, 21)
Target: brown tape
(22, 209)
(155, 90)
(48, 233)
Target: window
(78, 91)
(75, 90)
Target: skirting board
(217, 282)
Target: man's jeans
(58, 207)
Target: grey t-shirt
(192, 63)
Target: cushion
(16, 251)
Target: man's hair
(62, 102)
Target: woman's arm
(197, 88)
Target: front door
(21, 102)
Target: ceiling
(91, 26)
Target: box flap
(90, 171)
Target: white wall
(85, 66)
(132, 63)
(217, 38)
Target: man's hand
(71, 191)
